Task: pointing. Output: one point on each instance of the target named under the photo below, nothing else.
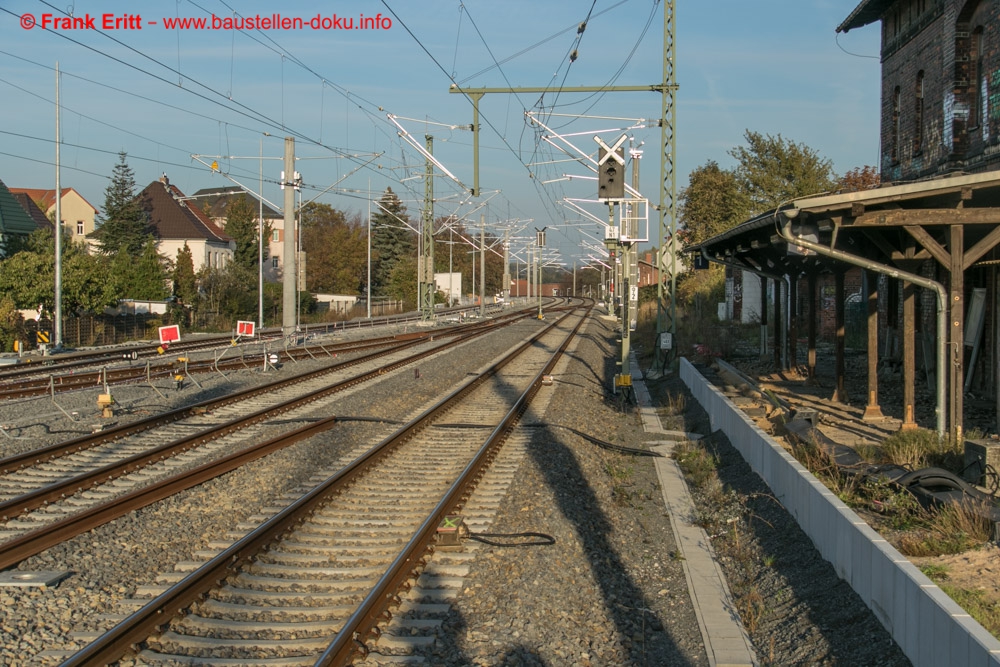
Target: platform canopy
(892, 230)
(899, 225)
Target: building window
(894, 129)
(274, 262)
(918, 114)
(978, 81)
(79, 227)
(275, 236)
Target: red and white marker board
(244, 328)
(170, 334)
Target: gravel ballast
(611, 591)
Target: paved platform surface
(726, 641)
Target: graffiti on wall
(993, 101)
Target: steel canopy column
(872, 410)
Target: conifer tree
(124, 225)
(392, 240)
(185, 285)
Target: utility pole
(288, 182)
(505, 292)
(666, 285)
(425, 261)
(482, 266)
(629, 288)
(57, 316)
(668, 242)
(540, 242)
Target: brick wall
(938, 38)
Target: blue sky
(772, 66)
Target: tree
(860, 178)
(392, 240)
(124, 226)
(29, 276)
(143, 277)
(242, 227)
(185, 284)
(337, 248)
(403, 282)
(773, 170)
(712, 203)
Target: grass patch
(922, 448)
(951, 529)
(698, 465)
(981, 608)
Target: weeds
(936, 573)
(899, 507)
(921, 448)
(951, 529)
(696, 463)
(751, 607)
(981, 608)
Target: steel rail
(31, 543)
(374, 609)
(43, 454)
(114, 643)
(43, 380)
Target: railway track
(41, 380)
(66, 487)
(314, 581)
(36, 374)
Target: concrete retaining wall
(928, 625)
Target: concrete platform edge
(906, 602)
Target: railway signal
(611, 169)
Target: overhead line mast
(666, 326)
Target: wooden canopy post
(872, 410)
(763, 317)
(840, 394)
(777, 325)
(813, 315)
(956, 337)
(793, 322)
(909, 356)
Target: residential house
(215, 201)
(77, 213)
(14, 221)
(940, 84)
(175, 220)
(31, 208)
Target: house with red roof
(176, 220)
(78, 214)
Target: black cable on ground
(542, 541)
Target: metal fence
(91, 330)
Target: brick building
(940, 84)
